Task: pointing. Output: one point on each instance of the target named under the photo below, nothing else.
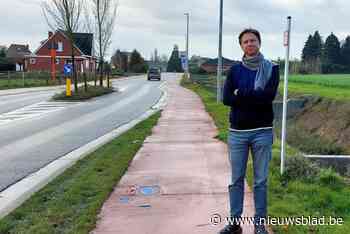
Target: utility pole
(187, 63)
(285, 94)
(218, 78)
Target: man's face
(250, 44)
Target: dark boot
(231, 229)
(260, 229)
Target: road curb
(18, 193)
(129, 78)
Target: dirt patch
(328, 119)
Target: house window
(60, 46)
(32, 61)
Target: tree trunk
(73, 67)
(108, 74)
(101, 72)
(85, 82)
(100, 41)
(95, 75)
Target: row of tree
(126, 62)
(134, 62)
(5, 63)
(174, 63)
(331, 56)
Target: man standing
(249, 90)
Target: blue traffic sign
(67, 69)
(184, 62)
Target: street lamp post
(187, 61)
(218, 78)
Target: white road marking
(35, 110)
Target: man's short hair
(249, 30)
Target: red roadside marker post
(285, 94)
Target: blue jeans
(260, 143)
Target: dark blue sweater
(251, 108)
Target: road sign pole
(187, 32)
(219, 68)
(68, 87)
(285, 94)
(68, 72)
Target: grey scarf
(263, 68)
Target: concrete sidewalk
(178, 180)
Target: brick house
(41, 59)
(211, 65)
(16, 54)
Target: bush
(198, 71)
(6, 65)
(328, 68)
(117, 72)
(300, 168)
(139, 68)
(303, 70)
(330, 178)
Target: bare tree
(64, 15)
(101, 24)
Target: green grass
(329, 80)
(340, 94)
(329, 86)
(34, 79)
(41, 82)
(335, 87)
(295, 197)
(18, 83)
(71, 202)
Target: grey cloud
(161, 23)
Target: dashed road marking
(34, 110)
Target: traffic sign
(183, 57)
(184, 63)
(67, 69)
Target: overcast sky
(149, 24)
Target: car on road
(154, 73)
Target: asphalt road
(35, 131)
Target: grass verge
(297, 193)
(71, 202)
(28, 83)
(336, 93)
(328, 86)
(92, 91)
(329, 80)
